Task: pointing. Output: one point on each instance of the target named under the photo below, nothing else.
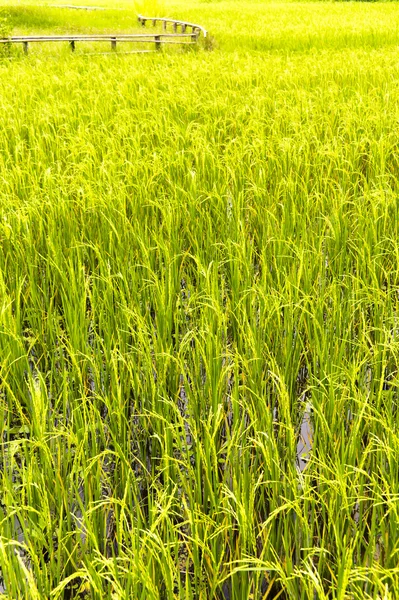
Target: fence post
(72, 45)
(164, 25)
(26, 48)
(183, 28)
(113, 44)
(157, 42)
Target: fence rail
(184, 25)
(182, 38)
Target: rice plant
(199, 312)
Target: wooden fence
(185, 37)
(184, 25)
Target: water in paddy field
(304, 445)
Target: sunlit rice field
(199, 307)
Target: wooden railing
(184, 25)
(185, 37)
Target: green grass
(196, 250)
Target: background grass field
(198, 269)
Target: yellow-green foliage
(199, 254)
